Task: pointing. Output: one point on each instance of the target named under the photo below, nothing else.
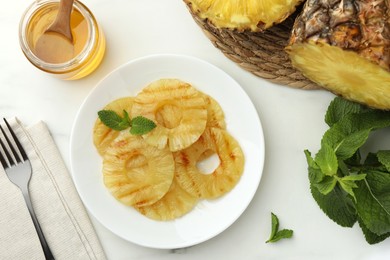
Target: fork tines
(7, 147)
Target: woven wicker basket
(261, 53)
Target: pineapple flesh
(215, 114)
(223, 178)
(102, 134)
(179, 110)
(241, 15)
(175, 203)
(344, 46)
(137, 174)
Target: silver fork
(18, 170)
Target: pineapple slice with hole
(241, 15)
(176, 203)
(223, 178)
(137, 173)
(178, 109)
(167, 115)
(103, 135)
(344, 46)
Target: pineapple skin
(361, 26)
(344, 46)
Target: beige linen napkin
(60, 212)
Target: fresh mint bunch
(346, 187)
(139, 125)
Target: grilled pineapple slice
(223, 178)
(103, 135)
(178, 110)
(176, 203)
(137, 173)
(215, 115)
(241, 15)
(344, 46)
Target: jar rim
(64, 66)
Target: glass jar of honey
(87, 47)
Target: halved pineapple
(103, 135)
(137, 173)
(254, 15)
(176, 203)
(223, 178)
(178, 109)
(344, 46)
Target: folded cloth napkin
(59, 210)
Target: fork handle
(42, 239)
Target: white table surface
(292, 121)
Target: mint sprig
(347, 187)
(139, 125)
(277, 234)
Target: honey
(58, 56)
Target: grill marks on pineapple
(159, 182)
(224, 177)
(137, 183)
(160, 101)
(175, 203)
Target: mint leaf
(384, 159)
(373, 201)
(327, 160)
(284, 233)
(126, 117)
(339, 108)
(274, 225)
(350, 133)
(348, 183)
(351, 143)
(371, 163)
(277, 235)
(371, 237)
(315, 173)
(141, 125)
(355, 159)
(356, 177)
(326, 185)
(336, 205)
(112, 120)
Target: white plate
(209, 218)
